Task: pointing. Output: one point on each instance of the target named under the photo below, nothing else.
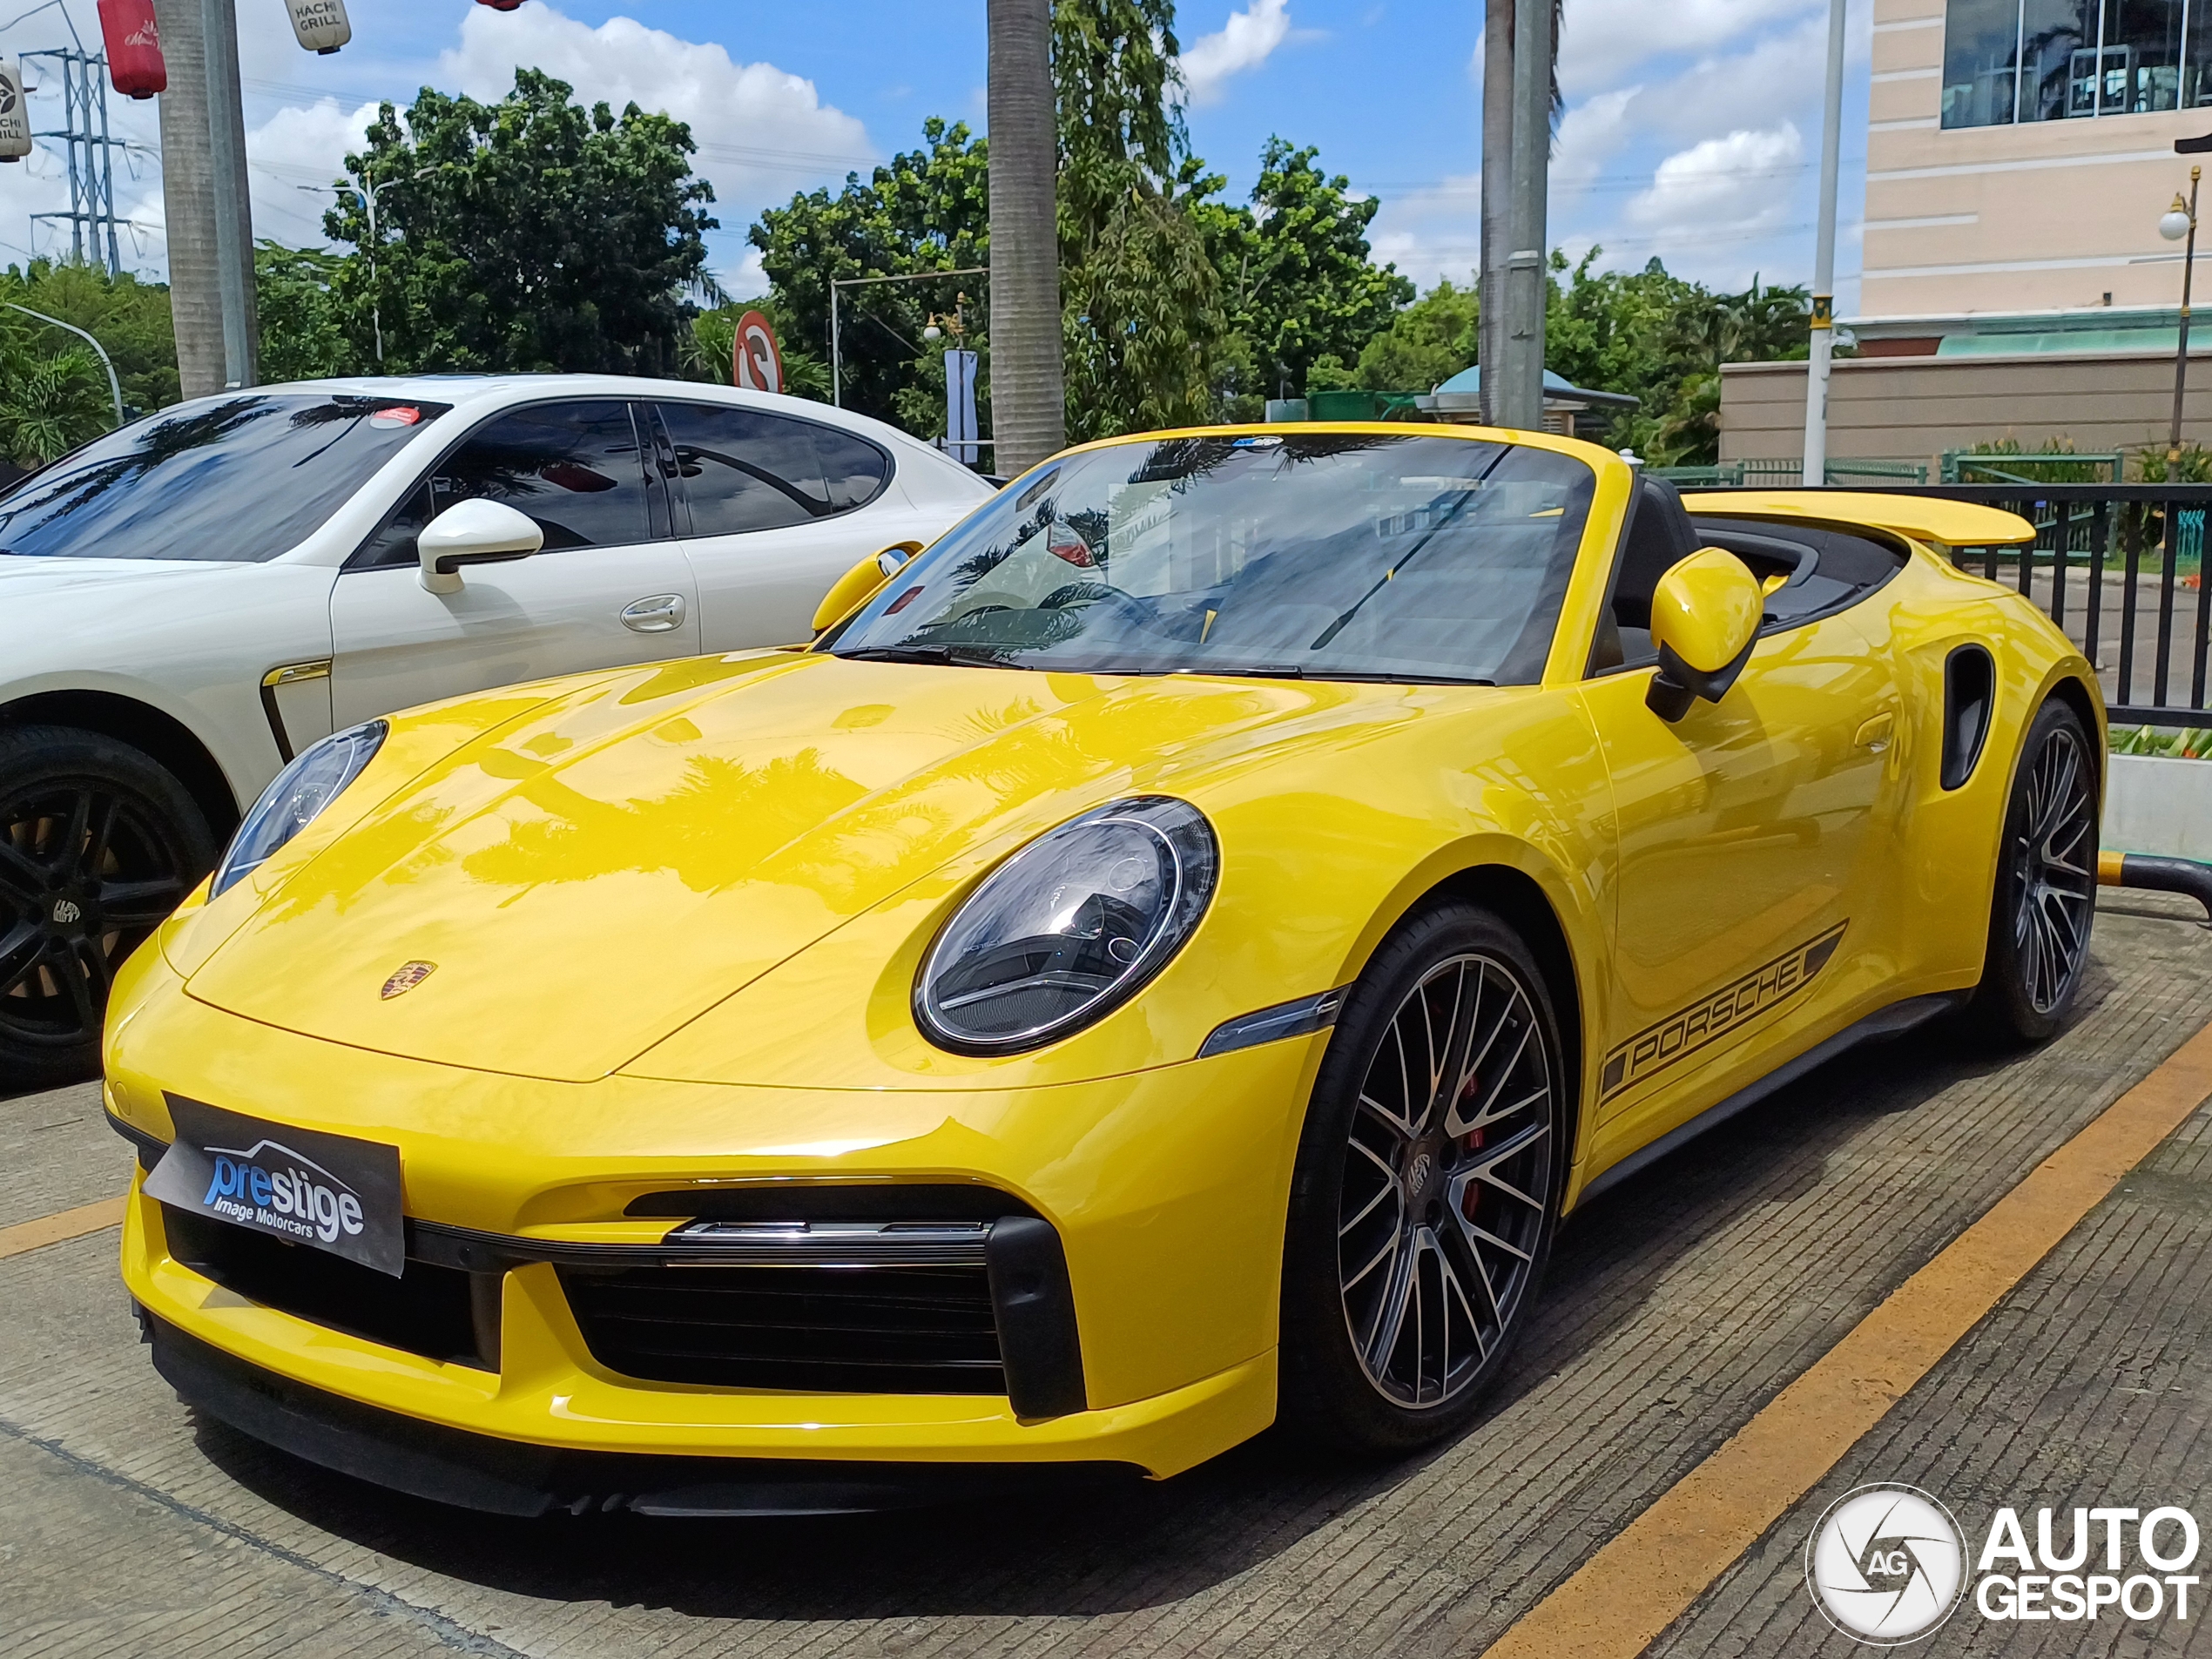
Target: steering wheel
(1086, 594)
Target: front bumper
(1167, 1190)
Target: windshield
(1334, 555)
(245, 476)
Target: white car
(187, 603)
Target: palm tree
(1028, 400)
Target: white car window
(746, 469)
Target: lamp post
(366, 192)
(2180, 222)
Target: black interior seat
(1659, 537)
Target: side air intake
(1969, 695)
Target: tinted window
(1326, 554)
(574, 468)
(242, 477)
(747, 471)
(854, 470)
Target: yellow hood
(587, 879)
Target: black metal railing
(2120, 568)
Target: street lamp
(366, 190)
(2180, 222)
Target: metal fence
(1788, 475)
(2119, 568)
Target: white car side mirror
(473, 532)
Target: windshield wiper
(948, 656)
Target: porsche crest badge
(409, 975)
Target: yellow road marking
(53, 1229)
(1618, 1601)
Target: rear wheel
(1426, 1187)
(98, 845)
(2045, 893)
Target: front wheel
(2046, 891)
(98, 845)
(1426, 1193)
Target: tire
(1439, 1234)
(98, 844)
(2045, 897)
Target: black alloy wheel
(98, 845)
(1427, 1186)
(2045, 899)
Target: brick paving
(1678, 1305)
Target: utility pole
(1824, 265)
(1519, 399)
(88, 153)
(1497, 196)
(214, 349)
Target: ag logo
(1886, 1564)
(409, 975)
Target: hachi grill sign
(15, 118)
(319, 25)
(325, 1191)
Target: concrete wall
(1912, 408)
(2045, 216)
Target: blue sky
(1692, 130)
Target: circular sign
(756, 363)
(1886, 1564)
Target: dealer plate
(328, 1192)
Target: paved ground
(1679, 1304)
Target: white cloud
(1725, 184)
(1246, 41)
(1604, 40)
(762, 132)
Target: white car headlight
(1069, 927)
(290, 804)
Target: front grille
(907, 1329)
(426, 1310)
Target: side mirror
(858, 585)
(1705, 616)
(473, 532)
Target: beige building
(2019, 154)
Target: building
(2020, 156)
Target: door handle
(655, 615)
(1874, 734)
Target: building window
(2065, 60)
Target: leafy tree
(128, 316)
(1300, 284)
(526, 234)
(927, 210)
(50, 400)
(303, 323)
(1427, 342)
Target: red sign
(134, 60)
(756, 363)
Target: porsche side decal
(1709, 1019)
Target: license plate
(328, 1192)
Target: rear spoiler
(1925, 518)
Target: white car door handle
(655, 615)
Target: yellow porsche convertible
(1164, 960)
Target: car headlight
(292, 803)
(1069, 927)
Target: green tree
(526, 234)
(927, 210)
(128, 316)
(1427, 342)
(303, 323)
(1145, 332)
(1301, 285)
(50, 400)
(710, 353)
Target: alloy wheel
(1448, 1180)
(2053, 871)
(85, 874)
